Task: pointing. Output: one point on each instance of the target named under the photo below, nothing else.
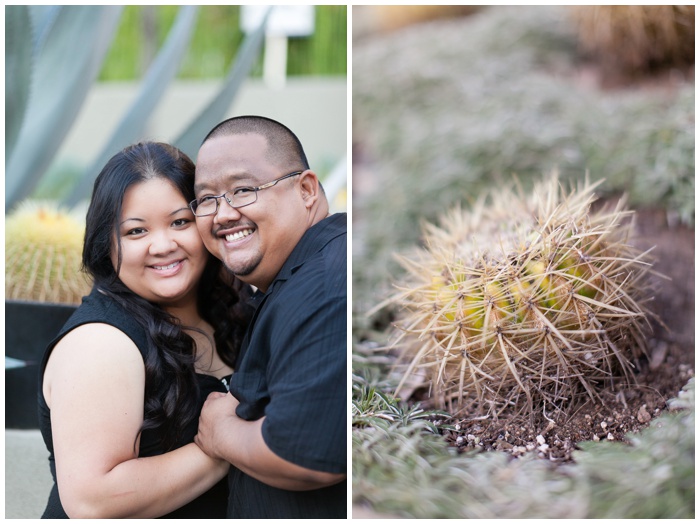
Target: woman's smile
(162, 255)
(167, 270)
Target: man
(283, 427)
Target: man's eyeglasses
(239, 197)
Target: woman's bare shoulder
(90, 353)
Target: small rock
(596, 438)
(540, 439)
(610, 436)
(603, 424)
(643, 415)
(503, 445)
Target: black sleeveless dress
(98, 308)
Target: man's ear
(310, 187)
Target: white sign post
(285, 21)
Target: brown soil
(660, 376)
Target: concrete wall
(314, 108)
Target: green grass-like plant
(406, 470)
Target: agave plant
(54, 56)
(54, 53)
(523, 302)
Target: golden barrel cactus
(524, 303)
(43, 254)
(637, 38)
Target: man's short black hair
(284, 147)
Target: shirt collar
(313, 240)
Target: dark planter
(29, 327)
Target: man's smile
(232, 237)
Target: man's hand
(217, 412)
(222, 434)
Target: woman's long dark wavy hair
(171, 386)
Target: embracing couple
(205, 374)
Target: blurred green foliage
(217, 37)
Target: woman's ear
(310, 187)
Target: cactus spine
(524, 303)
(43, 252)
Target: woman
(124, 382)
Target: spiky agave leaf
(524, 300)
(43, 250)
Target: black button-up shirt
(292, 369)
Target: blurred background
(450, 102)
(295, 73)
(81, 83)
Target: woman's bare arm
(94, 384)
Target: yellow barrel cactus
(43, 254)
